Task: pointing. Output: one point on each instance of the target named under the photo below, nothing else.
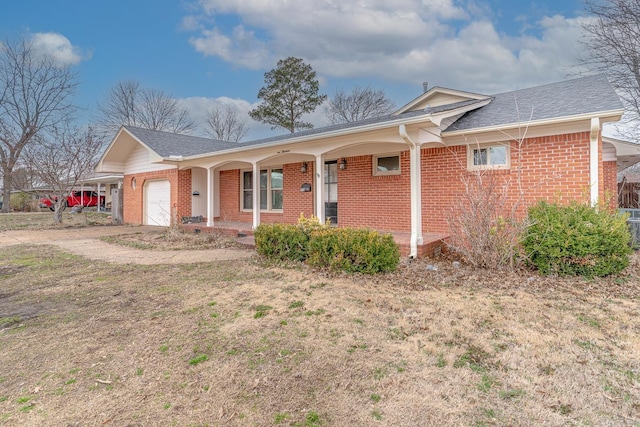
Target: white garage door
(157, 203)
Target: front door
(331, 191)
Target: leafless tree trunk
(60, 159)
(613, 47)
(35, 93)
(128, 104)
(226, 125)
(361, 103)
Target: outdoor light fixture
(342, 163)
(303, 168)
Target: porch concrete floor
(433, 243)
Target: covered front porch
(371, 180)
(433, 244)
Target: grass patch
(296, 304)
(198, 359)
(8, 321)
(261, 311)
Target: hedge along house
(400, 173)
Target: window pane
(276, 199)
(263, 199)
(276, 179)
(263, 179)
(247, 199)
(333, 175)
(247, 180)
(247, 192)
(479, 156)
(391, 163)
(498, 155)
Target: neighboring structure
(398, 173)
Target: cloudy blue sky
(215, 52)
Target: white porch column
(210, 197)
(319, 182)
(415, 176)
(256, 194)
(594, 164)
(99, 205)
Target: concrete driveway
(84, 242)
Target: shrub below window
(281, 241)
(576, 240)
(347, 249)
(353, 250)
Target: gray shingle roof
(173, 144)
(568, 98)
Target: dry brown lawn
(244, 343)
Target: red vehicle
(76, 198)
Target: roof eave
(611, 116)
(154, 157)
(341, 132)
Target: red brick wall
(230, 197)
(441, 184)
(294, 201)
(610, 184)
(133, 199)
(554, 168)
(380, 202)
(181, 198)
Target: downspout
(416, 192)
(319, 183)
(594, 164)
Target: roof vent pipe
(425, 87)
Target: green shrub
(22, 202)
(348, 249)
(281, 241)
(286, 241)
(576, 240)
(353, 250)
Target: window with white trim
(386, 164)
(488, 156)
(271, 186)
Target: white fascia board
(434, 91)
(153, 156)
(99, 165)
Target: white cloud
(405, 40)
(57, 46)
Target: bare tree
(612, 44)
(362, 103)
(35, 93)
(60, 159)
(128, 104)
(226, 125)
